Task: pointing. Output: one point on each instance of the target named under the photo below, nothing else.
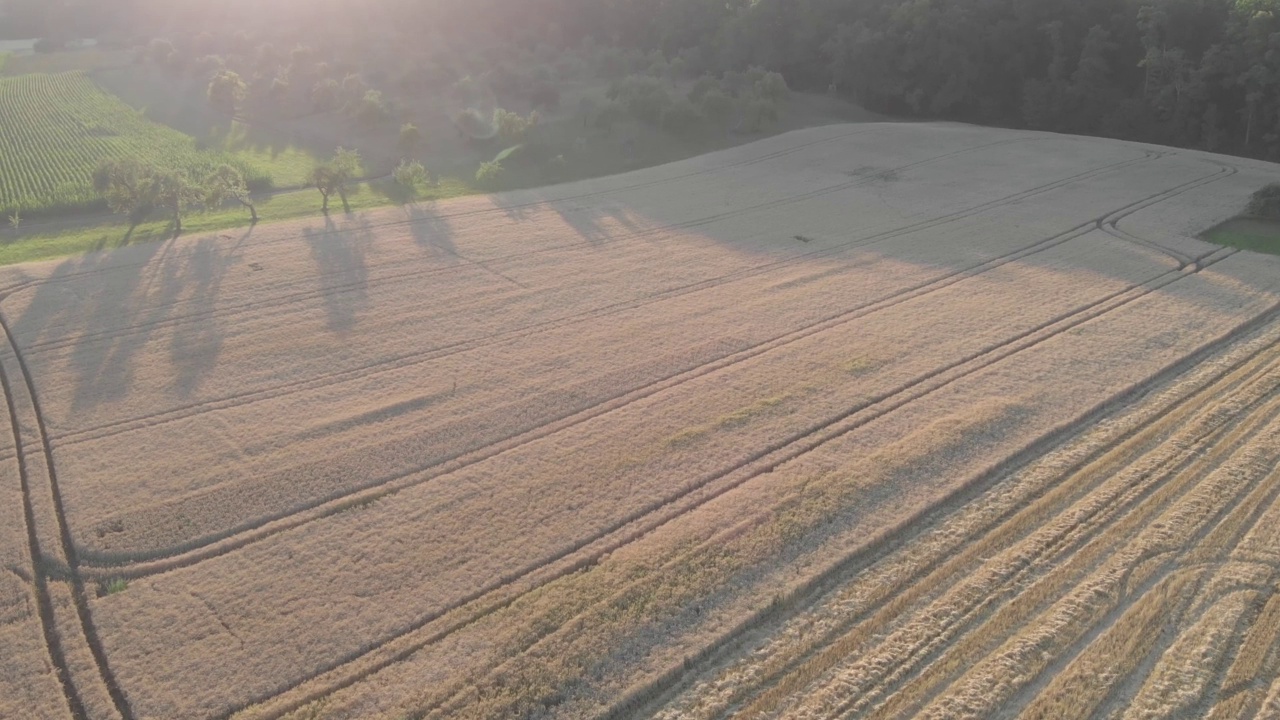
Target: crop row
(57, 128)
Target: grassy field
(1248, 234)
(36, 242)
(863, 420)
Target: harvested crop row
(567, 445)
(1236, 428)
(1165, 431)
(539, 513)
(584, 637)
(785, 306)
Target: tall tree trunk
(346, 207)
(253, 211)
(324, 207)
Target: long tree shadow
(339, 253)
(430, 230)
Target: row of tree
(137, 190)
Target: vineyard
(56, 128)
(880, 420)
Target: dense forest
(1196, 73)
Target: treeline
(1197, 73)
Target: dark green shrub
(1265, 203)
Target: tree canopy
(1199, 73)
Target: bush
(1265, 203)
(411, 174)
(410, 138)
(226, 90)
(512, 128)
(772, 86)
(371, 109)
(160, 51)
(490, 175)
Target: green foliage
(1265, 203)
(371, 109)
(115, 586)
(56, 129)
(226, 91)
(331, 177)
(512, 127)
(490, 175)
(136, 189)
(409, 174)
(226, 184)
(161, 52)
(410, 138)
(507, 153)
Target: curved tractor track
(1146, 502)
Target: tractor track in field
(974, 370)
(631, 235)
(415, 358)
(951, 557)
(25, 284)
(140, 565)
(703, 491)
(1059, 550)
(75, 562)
(44, 602)
(41, 560)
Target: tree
(161, 51)
(224, 184)
(490, 175)
(226, 91)
(125, 184)
(410, 174)
(173, 192)
(512, 128)
(372, 108)
(332, 176)
(410, 138)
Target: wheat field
(881, 420)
